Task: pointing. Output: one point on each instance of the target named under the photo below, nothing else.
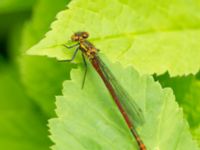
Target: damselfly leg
(85, 73)
(73, 56)
(72, 46)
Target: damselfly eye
(85, 35)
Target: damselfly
(126, 105)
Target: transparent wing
(132, 109)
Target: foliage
(22, 121)
(137, 40)
(86, 123)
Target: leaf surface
(88, 119)
(186, 90)
(152, 36)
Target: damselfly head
(78, 36)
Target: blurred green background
(26, 107)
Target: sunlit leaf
(88, 118)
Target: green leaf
(9, 21)
(196, 133)
(152, 36)
(42, 76)
(11, 6)
(43, 14)
(89, 119)
(22, 124)
(186, 90)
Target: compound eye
(85, 35)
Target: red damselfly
(128, 108)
